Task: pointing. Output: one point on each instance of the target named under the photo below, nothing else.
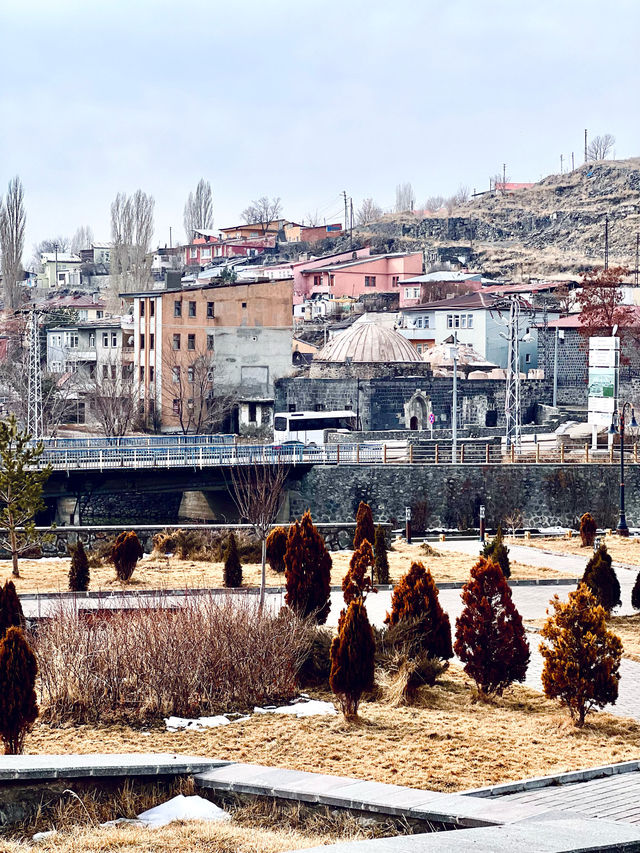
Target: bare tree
(601, 147)
(82, 239)
(112, 397)
(258, 492)
(48, 245)
(313, 220)
(198, 404)
(368, 212)
(405, 198)
(198, 210)
(461, 195)
(433, 203)
(262, 211)
(12, 226)
(131, 233)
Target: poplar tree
(364, 525)
(307, 571)
(11, 615)
(381, 562)
(352, 658)
(18, 705)
(232, 564)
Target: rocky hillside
(555, 228)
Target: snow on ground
(302, 707)
(182, 808)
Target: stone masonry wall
(450, 496)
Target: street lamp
(617, 425)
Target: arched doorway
(413, 423)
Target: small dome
(368, 342)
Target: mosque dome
(368, 342)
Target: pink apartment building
(353, 277)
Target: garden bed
(152, 572)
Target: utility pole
(555, 370)
(346, 218)
(454, 402)
(170, 240)
(34, 396)
(637, 255)
(351, 221)
(512, 391)
(504, 178)
(561, 165)
(585, 145)
(56, 249)
(572, 162)
(606, 242)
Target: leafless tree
(313, 219)
(262, 211)
(12, 226)
(49, 244)
(461, 195)
(405, 198)
(198, 209)
(131, 233)
(82, 239)
(368, 212)
(112, 397)
(197, 402)
(497, 181)
(257, 489)
(433, 203)
(601, 147)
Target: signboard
(481, 511)
(604, 369)
(432, 418)
(407, 513)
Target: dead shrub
(209, 653)
(316, 666)
(428, 551)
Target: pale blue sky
(300, 99)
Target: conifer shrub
(352, 658)
(276, 547)
(316, 666)
(601, 580)
(490, 636)
(11, 614)
(18, 705)
(581, 657)
(125, 554)
(232, 565)
(357, 582)
(416, 598)
(79, 569)
(635, 593)
(364, 525)
(588, 530)
(307, 571)
(381, 562)
(497, 551)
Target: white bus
(309, 427)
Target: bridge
(148, 453)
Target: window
(152, 341)
(151, 374)
(191, 374)
(210, 313)
(205, 254)
(177, 308)
(105, 371)
(142, 340)
(192, 309)
(527, 358)
(56, 340)
(114, 339)
(141, 373)
(331, 280)
(394, 280)
(176, 407)
(191, 342)
(193, 253)
(418, 323)
(92, 340)
(152, 307)
(369, 281)
(142, 307)
(463, 321)
(176, 341)
(209, 342)
(426, 322)
(71, 340)
(419, 348)
(190, 403)
(175, 374)
(412, 293)
(56, 367)
(252, 413)
(449, 321)
(317, 280)
(469, 321)
(244, 304)
(105, 339)
(99, 315)
(456, 321)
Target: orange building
(202, 351)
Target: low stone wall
(450, 496)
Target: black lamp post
(617, 425)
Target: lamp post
(617, 425)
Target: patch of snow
(42, 836)
(175, 723)
(302, 708)
(554, 531)
(182, 808)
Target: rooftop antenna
(606, 242)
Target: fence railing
(218, 454)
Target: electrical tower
(513, 415)
(34, 399)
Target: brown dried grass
(161, 572)
(623, 550)
(447, 741)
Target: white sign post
(604, 371)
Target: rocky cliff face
(554, 228)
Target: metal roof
(368, 342)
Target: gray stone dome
(367, 343)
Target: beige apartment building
(209, 354)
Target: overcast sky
(300, 99)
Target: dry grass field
(623, 550)
(159, 572)
(449, 742)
